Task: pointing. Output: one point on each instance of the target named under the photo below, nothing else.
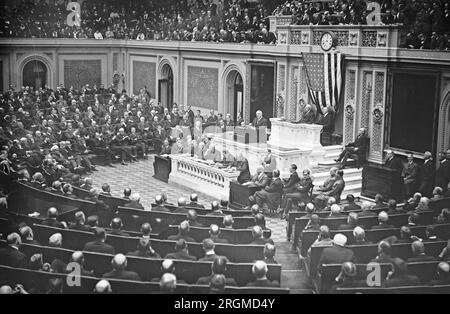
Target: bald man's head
(168, 283)
(182, 201)
(259, 269)
(192, 215)
(52, 212)
(146, 229)
(324, 232)
(102, 287)
(78, 257)
(269, 250)
(443, 270)
(167, 266)
(6, 290)
(119, 262)
(228, 221)
(383, 217)
(418, 247)
(208, 245)
(257, 232)
(184, 227)
(214, 230)
(159, 199)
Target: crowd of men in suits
(56, 132)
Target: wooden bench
(234, 236)
(12, 276)
(75, 240)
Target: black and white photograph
(248, 149)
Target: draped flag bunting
(324, 77)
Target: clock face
(326, 42)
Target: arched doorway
(165, 87)
(234, 102)
(34, 74)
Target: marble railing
(202, 176)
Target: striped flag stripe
(326, 78)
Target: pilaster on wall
(350, 106)
(281, 101)
(377, 117)
(291, 113)
(302, 88)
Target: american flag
(324, 77)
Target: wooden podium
(377, 179)
(239, 194)
(162, 167)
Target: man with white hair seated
(359, 236)
(119, 264)
(423, 205)
(308, 116)
(260, 270)
(336, 211)
(168, 283)
(134, 202)
(383, 219)
(338, 253)
(367, 210)
(55, 240)
(103, 287)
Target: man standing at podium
(393, 162)
(259, 120)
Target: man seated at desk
(308, 116)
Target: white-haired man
(135, 202)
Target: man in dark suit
(219, 267)
(308, 116)
(144, 250)
(182, 209)
(260, 270)
(383, 219)
(259, 120)
(443, 275)
(352, 222)
(428, 175)
(289, 185)
(418, 250)
(181, 252)
(393, 162)
(338, 253)
(134, 202)
(101, 210)
(258, 239)
(192, 218)
(215, 209)
(210, 254)
(327, 120)
(443, 171)
(183, 233)
(99, 245)
(269, 254)
(351, 206)
(80, 220)
(260, 179)
(116, 226)
(410, 176)
(159, 200)
(399, 277)
(194, 202)
(214, 233)
(10, 255)
(359, 146)
(271, 194)
(51, 220)
(119, 271)
(359, 236)
(27, 235)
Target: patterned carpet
(139, 177)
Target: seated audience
(218, 267)
(183, 233)
(260, 270)
(181, 252)
(99, 245)
(214, 235)
(144, 249)
(119, 264)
